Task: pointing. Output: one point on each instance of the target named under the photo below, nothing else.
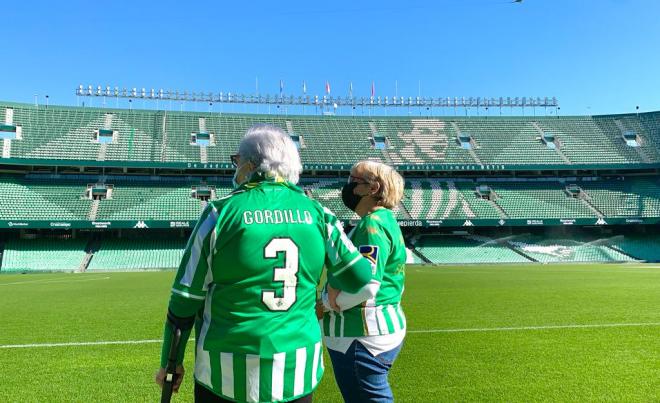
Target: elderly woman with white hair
(364, 331)
(248, 282)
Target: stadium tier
(138, 254)
(128, 200)
(43, 255)
(575, 249)
(116, 137)
(475, 186)
(42, 200)
(643, 247)
(62, 200)
(458, 249)
(522, 248)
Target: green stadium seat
(575, 249)
(43, 255)
(138, 254)
(465, 250)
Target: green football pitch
(475, 333)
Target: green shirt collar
(259, 178)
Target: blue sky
(595, 56)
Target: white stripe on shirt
(382, 323)
(346, 267)
(203, 360)
(315, 363)
(203, 367)
(252, 378)
(333, 318)
(209, 260)
(227, 369)
(403, 317)
(341, 324)
(331, 249)
(278, 376)
(394, 318)
(370, 320)
(195, 251)
(299, 380)
(188, 295)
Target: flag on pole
(350, 90)
(304, 87)
(373, 89)
(327, 87)
(281, 87)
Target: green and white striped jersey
(379, 239)
(250, 271)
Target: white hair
(272, 151)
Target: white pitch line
(82, 343)
(56, 281)
(550, 327)
(466, 330)
(86, 343)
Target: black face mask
(350, 199)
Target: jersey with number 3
(253, 263)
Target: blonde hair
(390, 181)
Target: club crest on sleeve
(370, 252)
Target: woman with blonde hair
(364, 331)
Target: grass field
(476, 333)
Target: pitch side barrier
(331, 167)
(473, 222)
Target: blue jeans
(362, 377)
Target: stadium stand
(538, 199)
(441, 199)
(576, 249)
(42, 200)
(39, 197)
(421, 141)
(641, 247)
(508, 141)
(68, 133)
(625, 196)
(584, 141)
(338, 140)
(460, 250)
(63, 197)
(525, 248)
(149, 201)
(43, 255)
(68, 169)
(138, 254)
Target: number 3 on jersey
(287, 274)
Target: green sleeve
(189, 290)
(168, 334)
(191, 276)
(347, 269)
(374, 244)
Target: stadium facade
(112, 189)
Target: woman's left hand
(332, 298)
